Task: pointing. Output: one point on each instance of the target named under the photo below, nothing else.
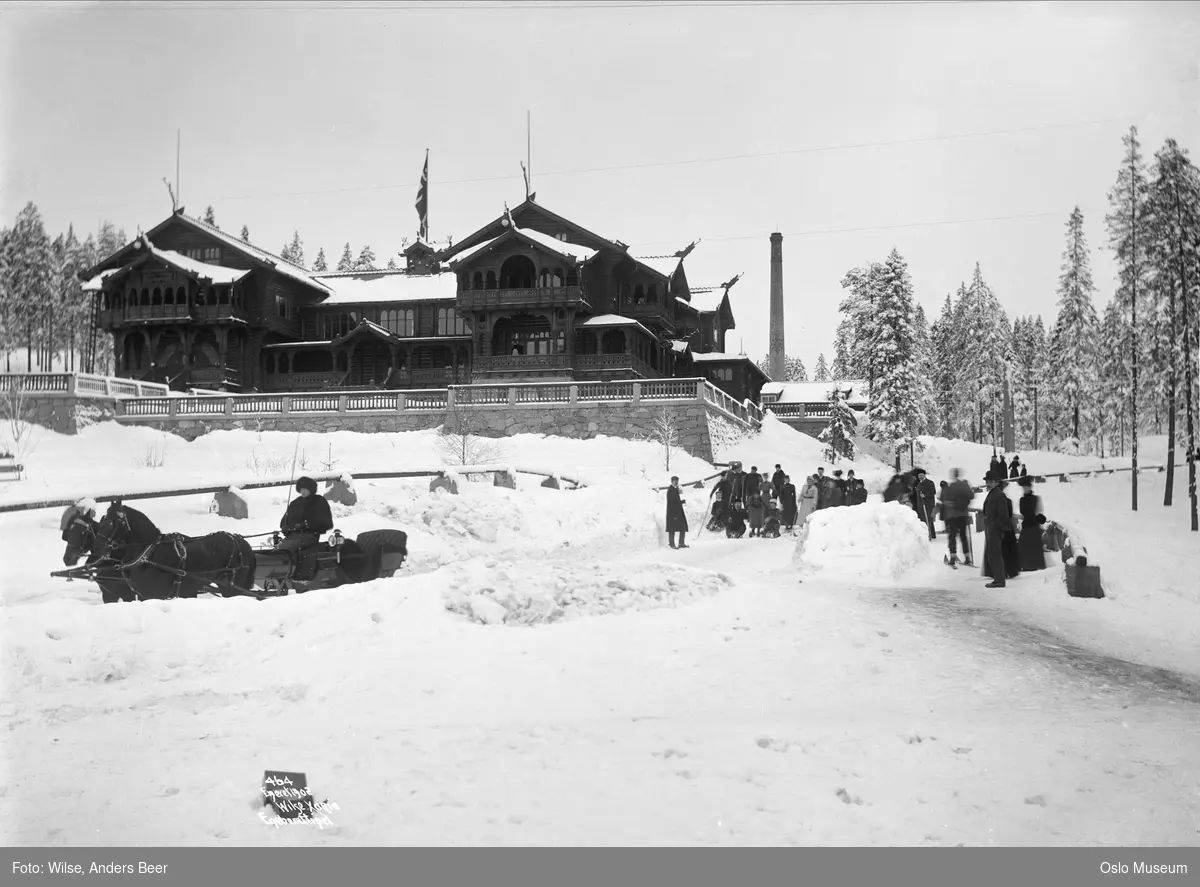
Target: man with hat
(957, 500)
(835, 493)
(307, 517)
(924, 498)
(996, 519)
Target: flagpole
(427, 237)
(528, 153)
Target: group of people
(1007, 554)
(747, 500)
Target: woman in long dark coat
(1029, 545)
(1008, 544)
(676, 518)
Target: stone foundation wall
(699, 425)
(66, 413)
(377, 423)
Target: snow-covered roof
(664, 265)
(714, 356)
(97, 283)
(215, 273)
(365, 326)
(282, 265)
(815, 392)
(567, 250)
(375, 287)
(612, 320)
(571, 251)
(708, 303)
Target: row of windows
(639, 294)
(210, 254)
(721, 375)
(171, 296)
(399, 322)
(547, 277)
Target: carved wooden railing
(79, 385)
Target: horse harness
(180, 572)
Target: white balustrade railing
(271, 405)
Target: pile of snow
(485, 520)
(532, 592)
(874, 540)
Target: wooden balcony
(516, 365)
(213, 377)
(597, 366)
(538, 297)
(654, 312)
(218, 313)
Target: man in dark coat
(835, 490)
(1003, 466)
(720, 497)
(753, 482)
(1016, 469)
(996, 519)
(777, 480)
(924, 499)
(858, 495)
(787, 503)
(957, 501)
(306, 519)
(820, 475)
(676, 518)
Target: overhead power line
(851, 146)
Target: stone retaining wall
(699, 425)
(65, 413)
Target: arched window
(145, 296)
(133, 297)
(652, 292)
(156, 297)
(477, 281)
(639, 295)
(270, 362)
(181, 296)
(557, 279)
(408, 322)
(491, 280)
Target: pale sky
(957, 132)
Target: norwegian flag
(423, 199)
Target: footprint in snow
(847, 799)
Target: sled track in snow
(1003, 632)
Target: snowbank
(875, 540)
(532, 592)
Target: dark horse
(80, 535)
(159, 565)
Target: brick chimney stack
(777, 354)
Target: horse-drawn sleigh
(131, 559)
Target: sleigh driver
(307, 518)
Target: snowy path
(774, 713)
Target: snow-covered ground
(546, 671)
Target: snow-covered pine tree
(927, 412)
(860, 353)
(346, 262)
(793, 369)
(8, 339)
(391, 265)
(319, 264)
(109, 239)
(1174, 214)
(895, 401)
(821, 371)
(1113, 376)
(1078, 326)
(31, 272)
(296, 250)
(843, 363)
(365, 260)
(210, 217)
(245, 233)
(1127, 235)
(838, 434)
(943, 366)
(986, 357)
